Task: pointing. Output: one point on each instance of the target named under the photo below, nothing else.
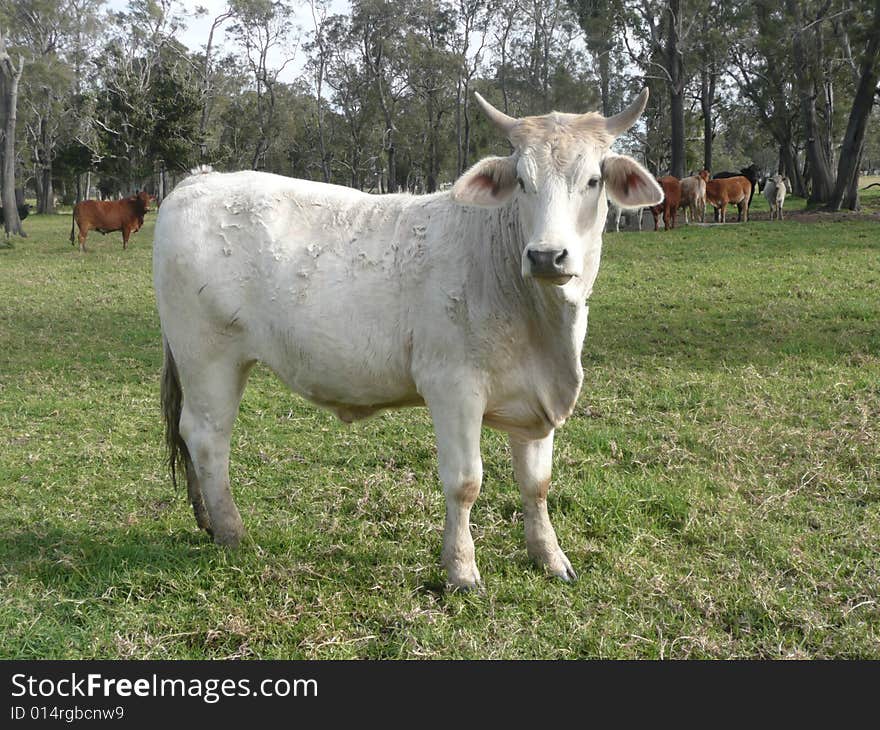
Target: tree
(817, 153)
(207, 90)
(764, 80)
(10, 77)
(430, 67)
(377, 25)
(664, 35)
(846, 185)
(473, 23)
(321, 52)
(261, 27)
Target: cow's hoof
(229, 538)
(560, 566)
(476, 588)
(464, 578)
(557, 564)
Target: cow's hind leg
(458, 418)
(211, 395)
(532, 464)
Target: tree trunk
(820, 171)
(707, 99)
(676, 89)
(605, 78)
(846, 186)
(46, 198)
(10, 79)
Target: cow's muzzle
(553, 264)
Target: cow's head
(559, 173)
(145, 199)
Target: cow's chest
(534, 384)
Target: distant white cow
(693, 198)
(774, 191)
(471, 302)
(615, 212)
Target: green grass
(717, 489)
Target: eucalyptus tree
(11, 70)
(379, 27)
(470, 45)
(319, 51)
(263, 30)
(431, 70)
(763, 73)
(351, 83)
(866, 72)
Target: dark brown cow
(734, 190)
(106, 216)
(671, 199)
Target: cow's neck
(551, 321)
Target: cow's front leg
(532, 464)
(458, 418)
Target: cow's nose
(550, 263)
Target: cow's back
(728, 190)
(319, 281)
(106, 215)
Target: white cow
(470, 301)
(774, 191)
(693, 198)
(615, 212)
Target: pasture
(717, 488)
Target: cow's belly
(345, 353)
(350, 386)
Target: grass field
(717, 489)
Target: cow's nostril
(531, 256)
(562, 256)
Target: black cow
(23, 211)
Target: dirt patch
(818, 216)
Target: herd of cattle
(689, 195)
(692, 194)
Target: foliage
(379, 96)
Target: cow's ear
(628, 184)
(487, 184)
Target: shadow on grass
(81, 565)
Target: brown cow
(106, 216)
(722, 191)
(671, 199)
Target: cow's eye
(522, 185)
(594, 181)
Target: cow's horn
(619, 123)
(498, 118)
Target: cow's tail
(172, 405)
(179, 460)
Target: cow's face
(146, 199)
(558, 175)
